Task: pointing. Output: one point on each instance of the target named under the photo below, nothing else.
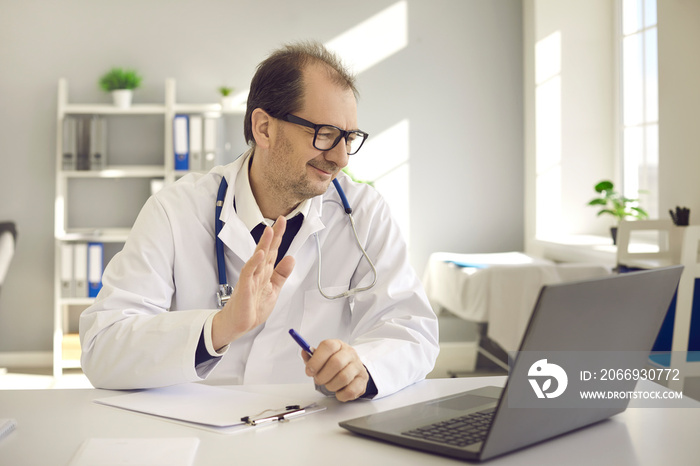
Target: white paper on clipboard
(204, 406)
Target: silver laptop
(580, 328)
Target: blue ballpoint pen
(304, 345)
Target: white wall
(588, 109)
(458, 82)
(679, 101)
(584, 139)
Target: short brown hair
(278, 87)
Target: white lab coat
(157, 293)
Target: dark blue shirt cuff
(371, 390)
(202, 354)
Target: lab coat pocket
(325, 318)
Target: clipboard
(218, 409)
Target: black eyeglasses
(326, 137)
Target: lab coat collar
(312, 224)
(244, 245)
(247, 207)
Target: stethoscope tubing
(220, 262)
(225, 289)
(352, 291)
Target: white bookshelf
(160, 166)
(101, 109)
(118, 171)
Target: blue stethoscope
(225, 290)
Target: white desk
(53, 423)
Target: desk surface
(53, 423)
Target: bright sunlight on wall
(548, 145)
(384, 159)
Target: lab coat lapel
(303, 247)
(268, 342)
(312, 224)
(240, 244)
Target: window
(640, 108)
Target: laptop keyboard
(459, 431)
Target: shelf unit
(66, 347)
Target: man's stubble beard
(292, 191)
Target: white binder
(82, 143)
(67, 282)
(210, 142)
(94, 268)
(69, 144)
(98, 143)
(196, 142)
(181, 142)
(80, 268)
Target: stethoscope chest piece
(225, 290)
(224, 294)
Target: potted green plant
(617, 205)
(227, 102)
(355, 179)
(120, 83)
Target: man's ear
(261, 123)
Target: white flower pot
(228, 103)
(122, 98)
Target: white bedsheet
(499, 289)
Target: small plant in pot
(617, 205)
(120, 83)
(227, 102)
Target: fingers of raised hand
(277, 233)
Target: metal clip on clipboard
(288, 413)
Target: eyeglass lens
(327, 137)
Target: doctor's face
(297, 167)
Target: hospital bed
(497, 291)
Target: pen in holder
(681, 217)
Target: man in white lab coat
(156, 321)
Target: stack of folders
(81, 269)
(84, 143)
(195, 142)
